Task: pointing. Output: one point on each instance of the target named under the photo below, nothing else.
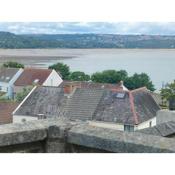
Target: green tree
(109, 76)
(79, 76)
(139, 80)
(21, 95)
(168, 92)
(12, 64)
(63, 69)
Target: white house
(33, 76)
(7, 78)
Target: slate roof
(91, 85)
(83, 103)
(29, 75)
(6, 74)
(43, 100)
(114, 106)
(6, 109)
(126, 107)
(163, 129)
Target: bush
(21, 95)
(12, 64)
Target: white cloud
(89, 27)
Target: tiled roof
(30, 75)
(83, 103)
(6, 74)
(6, 109)
(163, 129)
(43, 100)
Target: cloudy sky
(166, 28)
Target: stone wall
(165, 116)
(62, 136)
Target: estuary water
(159, 64)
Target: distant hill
(10, 40)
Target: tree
(168, 92)
(21, 95)
(109, 76)
(168, 96)
(139, 80)
(12, 64)
(63, 69)
(79, 76)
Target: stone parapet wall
(62, 136)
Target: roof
(43, 100)
(6, 109)
(163, 129)
(126, 107)
(32, 75)
(114, 106)
(83, 103)
(91, 85)
(6, 74)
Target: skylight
(120, 95)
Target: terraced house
(118, 108)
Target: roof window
(120, 95)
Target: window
(120, 95)
(0, 88)
(129, 128)
(150, 124)
(41, 116)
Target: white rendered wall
(4, 86)
(53, 80)
(21, 118)
(146, 124)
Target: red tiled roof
(6, 109)
(29, 75)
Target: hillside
(10, 40)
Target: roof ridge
(139, 89)
(131, 99)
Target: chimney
(70, 87)
(121, 84)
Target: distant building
(33, 76)
(7, 78)
(111, 108)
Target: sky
(150, 28)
